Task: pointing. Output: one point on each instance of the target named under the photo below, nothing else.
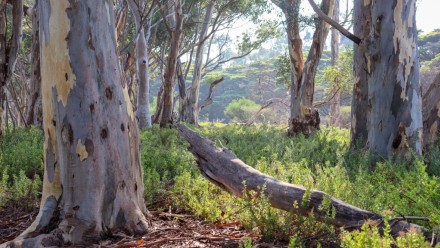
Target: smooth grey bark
(176, 25)
(224, 169)
(142, 64)
(431, 113)
(34, 112)
(387, 103)
(92, 184)
(334, 46)
(191, 107)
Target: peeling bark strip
(431, 113)
(387, 97)
(93, 178)
(224, 169)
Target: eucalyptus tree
(92, 183)
(303, 117)
(218, 15)
(9, 48)
(142, 61)
(335, 102)
(387, 102)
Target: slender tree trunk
(9, 50)
(93, 178)
(191, 109)
(304, 118)
(431, 113)
(142, 63)
(176, 24)
(3, 64)
(34, 112)
(335, 102)
(386, 63)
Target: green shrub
(242, 109)
(164, 155)
(22, 150)
(21, 164)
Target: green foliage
(282, 65)
(21, 164)
(322, 161)
(164, 156)
(242, 109)
(247, 244)
(370, 236)
(340, 76)
(429, 45)
(22, 150)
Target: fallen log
(222, 167)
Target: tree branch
(334, 24)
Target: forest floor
(168, 230)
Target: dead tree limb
(208, 101)
(222, 167)
(266, 105)
(334, 24)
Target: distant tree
(9, 48)
(142, 62)
(429, 45)
(336, 94)
(242, 109)
(304, 118)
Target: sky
(428, 17)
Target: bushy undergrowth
(21, 164)
(322, 161)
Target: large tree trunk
(34, 112)
(176, 25)
(387, 98)
(224, 169)
(142, 63)
(93, 178)
(335, 102)
(191, 105)
(431, 113)
(359, 106)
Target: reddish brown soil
(168, 230)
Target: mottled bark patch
(81, 151)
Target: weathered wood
(334, 23)
(222, 167)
